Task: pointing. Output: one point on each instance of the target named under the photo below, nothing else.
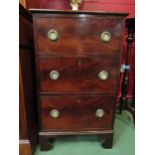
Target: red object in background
(127, 6)
(89, 5)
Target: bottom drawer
(76, 112)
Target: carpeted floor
(123, 144)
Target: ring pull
(54, 75)
(53, 35)
(105, 36)
(103, 75)
(99, 113)
(54, 113)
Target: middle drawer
(97, 74)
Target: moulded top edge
(76, 12)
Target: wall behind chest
(92, 5)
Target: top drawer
(81, 34)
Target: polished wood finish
(47, 138)
(78, 36)
(79, 56)
(23, 3)
(24, 147)
(82, 68)
(27, 92)
(44, 12)
(99, 5)
(77, 112)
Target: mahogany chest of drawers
(77, 57)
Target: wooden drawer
(78, 74)
(78, 33)
(76, 112)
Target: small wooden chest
(77, 57)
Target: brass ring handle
(105, 36)
(99, 113)
(54, 75)
(103, 75)
(54, 113)
(53, 35)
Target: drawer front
(77, 112)
(81, 34)
(96, 74)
